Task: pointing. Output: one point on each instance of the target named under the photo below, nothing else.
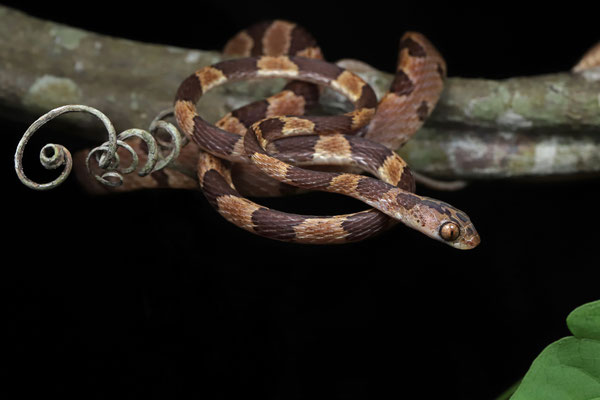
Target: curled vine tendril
(53, 156)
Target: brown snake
(278, 146)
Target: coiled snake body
(274, 138)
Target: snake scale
(274, 141)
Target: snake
(273, 140)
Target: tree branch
(529, 126)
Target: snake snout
(470, 238)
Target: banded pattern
(413, 94)
(390, 195)
(271, 144)
(227, 145)
(217, 186)
(273, 38)
(297, 98)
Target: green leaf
(584, 321)
(568, 369)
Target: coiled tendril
(53, 156)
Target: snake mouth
(470, 240)
(472, 243)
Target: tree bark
(526, 126)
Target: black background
(154, 295)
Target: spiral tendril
(53, 156)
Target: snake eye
(449, 231)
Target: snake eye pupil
(449, 231)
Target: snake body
(276, 138)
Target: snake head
(449, 225)
(440, 221)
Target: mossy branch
(531, 126)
